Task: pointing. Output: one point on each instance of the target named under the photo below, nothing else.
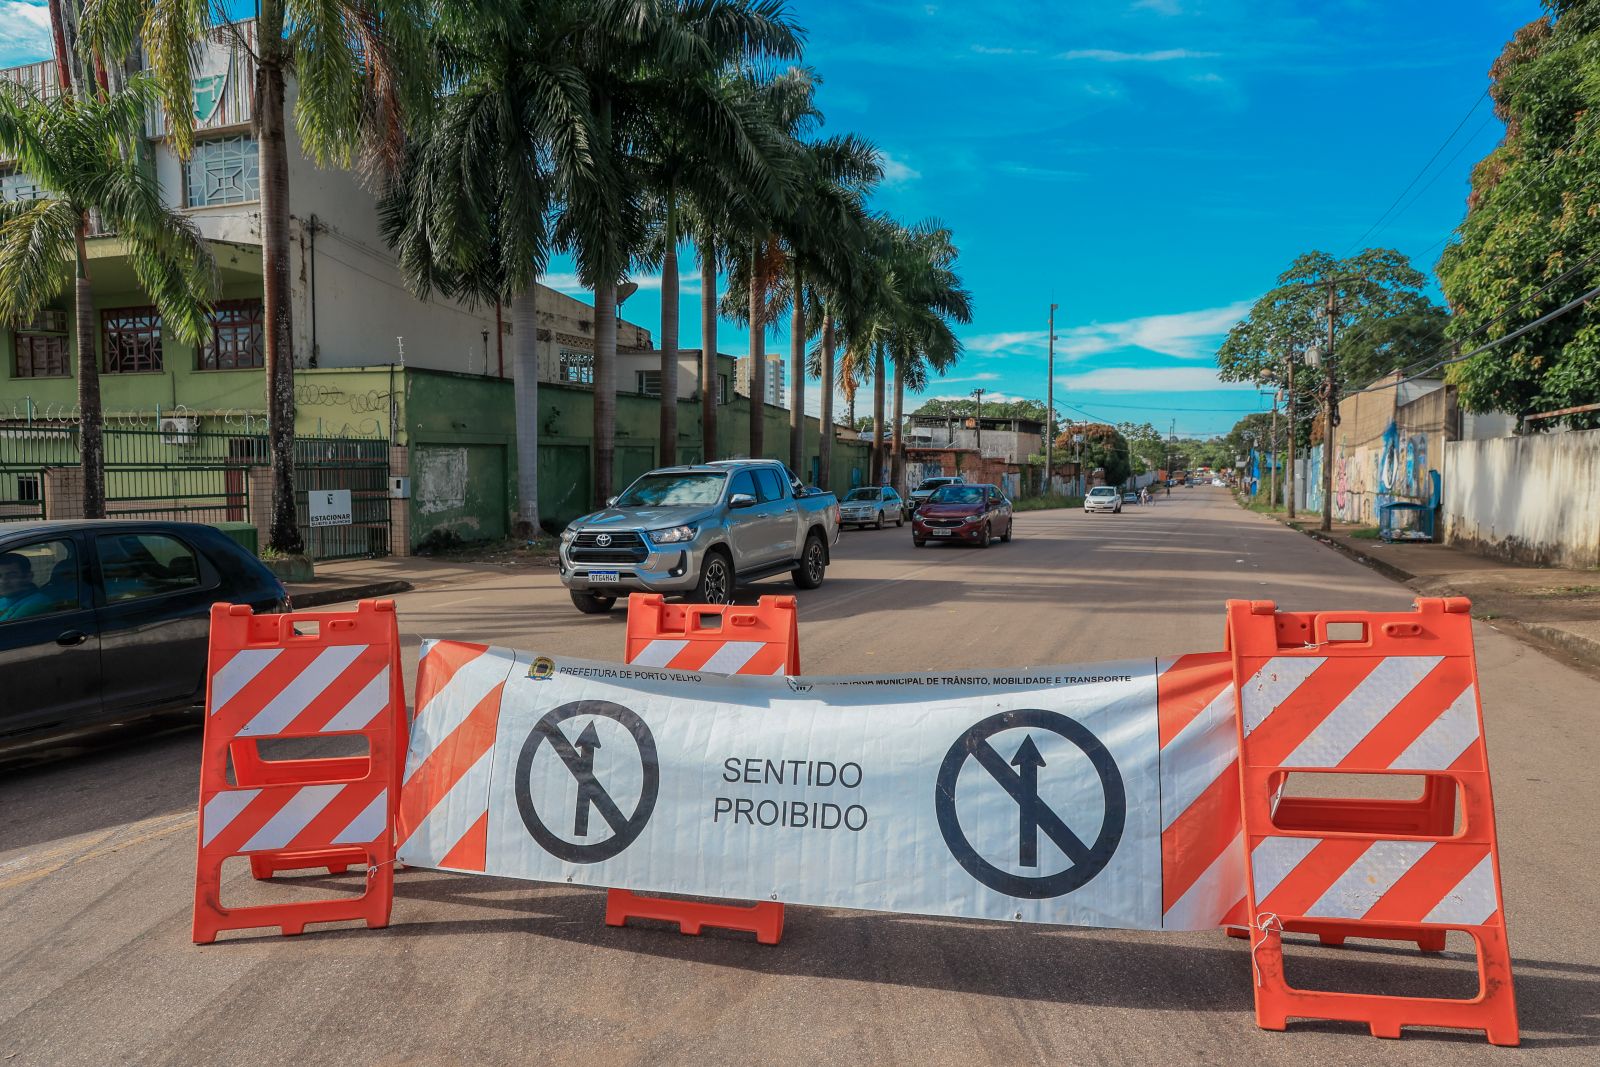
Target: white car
(872, 506)
(1103, 498)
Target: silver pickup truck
(699, 531)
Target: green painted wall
(462, 438)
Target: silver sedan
(872, 505)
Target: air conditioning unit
(178, 432)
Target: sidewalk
(1550, 606)
(360, 579)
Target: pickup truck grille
(624, 547)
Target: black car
(106, 622)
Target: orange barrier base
(371, 907)
(764, 918)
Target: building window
(577, 367)
(132, 339)
(649, 383)
(28, 489)
(722, 388)
(15, 186)
(236, 341)
(41, 355)
(223, 170)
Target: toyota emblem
(603, 540)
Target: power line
(1415, 178)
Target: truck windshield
(934, 483)
(657, 490)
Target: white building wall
(1530, 499)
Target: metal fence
(194, 476)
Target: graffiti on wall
(1367, 477)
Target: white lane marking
(1369, 703)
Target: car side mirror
(741, 500)
(611, 501)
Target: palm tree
(468, 214)
(80, 150)
(638, 57)
(358, 64)
(698, 149)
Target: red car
(975, 514)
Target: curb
(1575, 645)
(1383, 567)
(316, 598)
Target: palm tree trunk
(797, 374)
(825, 415)
(897, 468)
(90, 435)
(605, 390)
(758, 357)
(669, 339)
(708, 347)
(275, 306)
(525, 395)
(878, 371)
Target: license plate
(943, 533)
(602, 576)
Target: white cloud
(898, 172)
(986, 376)
(1149, 380)
(1003, 50)
(569, 283)
(1111, 55)
(24, 32)
(1184, 335)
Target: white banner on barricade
(1030, 794)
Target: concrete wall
(1532, 499)
(1383, 450)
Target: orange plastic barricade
(1368, 693)
(265, 680)
(721, 639)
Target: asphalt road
(97, 854)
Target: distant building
(775, 390)
(1007, 439)
(640, 372)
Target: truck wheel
(813, 563)
(716, 580)
(590, 604)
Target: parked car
(972, 513)
(699, 530)
(106, 622)
(872, 505)
(1130, 498)
(929, 486)
(1103, 498)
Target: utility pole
(1272, 451)
(1289, 473)
(1330, 384)
(977, 420)
(1049, 403)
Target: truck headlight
(674, 535)
(568, 534)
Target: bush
(1048, 502)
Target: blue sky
(1148, 165)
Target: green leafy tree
(940, 407)
(1096, 445)
(1147, 447)
(1532, 228)
(79, 150)
(1383, 320)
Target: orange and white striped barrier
(266, 681)
(764, 640)
(1400, 699)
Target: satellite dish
(625, 290)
